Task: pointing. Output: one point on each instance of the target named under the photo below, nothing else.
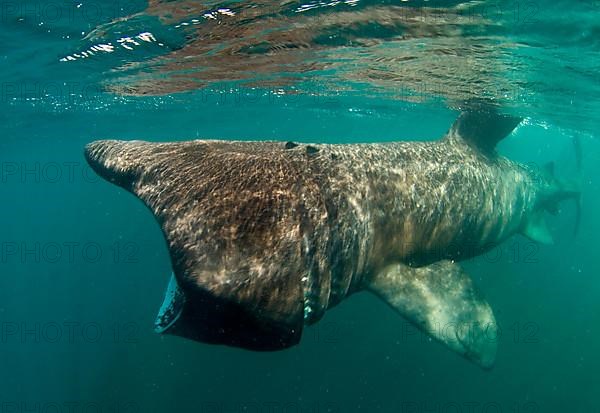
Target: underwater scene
(313, 206)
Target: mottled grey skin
(264, 237)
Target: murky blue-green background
(83, 264)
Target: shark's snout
(102, 156)
(114, 160)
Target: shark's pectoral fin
(536, 228)
(441, 300)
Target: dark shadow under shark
(264, 237)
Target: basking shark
(264, 237)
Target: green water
(84, 265)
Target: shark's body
(264, 237)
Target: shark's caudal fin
(555, 190)
(441, 300)
(483, 128)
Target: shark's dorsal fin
(441, 300)
(483, 128)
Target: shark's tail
(565, 189)
(559, 190)
(555, 192)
